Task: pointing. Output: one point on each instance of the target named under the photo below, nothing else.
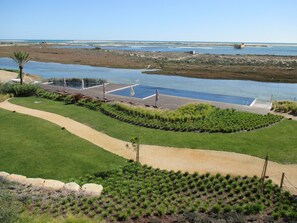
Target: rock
(4, 175)
(35, 182)
(72, 186)
(53, 184)
(17, 178)
(93, 189)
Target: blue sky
(189, 20)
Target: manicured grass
(279, 140)
(37, 148)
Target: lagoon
(254, 89)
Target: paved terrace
(165, 101)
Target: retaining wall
(90, 189)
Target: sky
(159, 20)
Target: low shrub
(190, 118)
(135, 193)
(216, 208)
(253, 208)
(50, 95)
(18, 90)
(227, 209)
(69, 99)
(78, 99)
(285, 107)
(239, 209)
(8, 208)
(4, 97)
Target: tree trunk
(21, 74)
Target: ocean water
(271, 49)
(251, 89)
(284, 49)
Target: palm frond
(20, 57)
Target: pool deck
(165, 101)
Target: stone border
(90, 189)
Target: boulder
(4, 175)
(17, 178)
(35, 182)
(72, 186)
(92, 189)
(53, 184)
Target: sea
(223, 48)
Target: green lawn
(37, 148)
(279, 141)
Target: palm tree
(21, 58)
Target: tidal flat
(264, 68)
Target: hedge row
(191, 118)
(78, 99)
(18, 90)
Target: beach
(7, 76)
(265, 68)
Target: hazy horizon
(135, 40)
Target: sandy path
(7, 75)
(167, 157)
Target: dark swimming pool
(144, 92)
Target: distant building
(239, 46)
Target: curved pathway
(168, 157)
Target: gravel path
(168, 157)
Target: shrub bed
(285, 107)
(18, 90)
(8, 206)
(136, 193)
(78, 99)
(191, 117)
(188, 118)
(3, 97)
